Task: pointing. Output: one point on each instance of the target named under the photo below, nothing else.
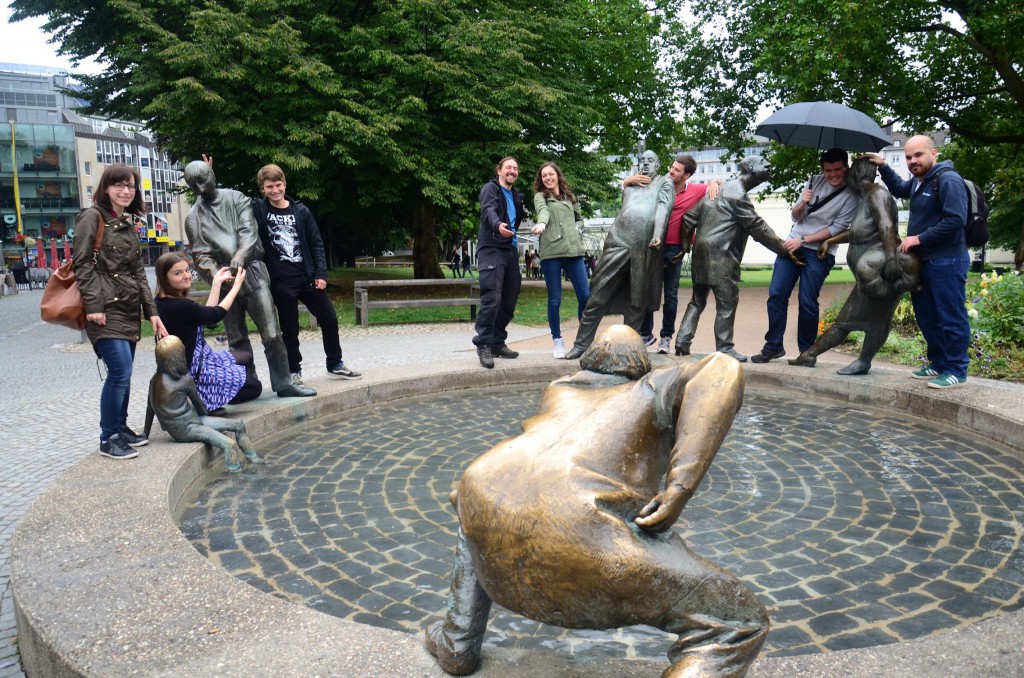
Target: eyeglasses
(121, 186)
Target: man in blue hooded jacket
(501, 212)
(936, 234)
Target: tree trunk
(425, 262)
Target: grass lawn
(530, 310)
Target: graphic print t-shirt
(282, 225)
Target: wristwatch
(803, 241)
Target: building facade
(54, 165)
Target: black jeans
(500, 282)
(287, 293)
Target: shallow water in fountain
(855, 527)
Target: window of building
(87, 168)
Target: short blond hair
(269, 173)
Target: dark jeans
(577, 272)
(118, 355)
(287, 293)
(671, 305)
(942, 315)
(500, 281)
(784, 276)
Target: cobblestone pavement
(854, 527)
(49, 400)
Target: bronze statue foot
(252, 456)
(230, 464)
(296, 391)
(682, 349)
(803, 360)
(574, 353)
(452, 664)
(858, 366)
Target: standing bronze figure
(883, 273)
(569, 522)
(628, 275)
(722, 230)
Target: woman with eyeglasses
(108, 267)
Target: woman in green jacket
(559, 226)
(116, 293)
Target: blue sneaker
(947, 380)
(650, 339)
(132, 438)
(116, 448)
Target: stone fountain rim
(104, 582)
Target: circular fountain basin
(104, 583)
(855, 527)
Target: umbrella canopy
(54, 261)
(824, 125)
(41, 257)
(67, 250)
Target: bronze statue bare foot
(803, 360)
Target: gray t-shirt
(837, 215)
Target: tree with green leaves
(388, 116)
(923, 64)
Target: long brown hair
(120, 173)
(162, 267)
(563, 185)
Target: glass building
(39, 195)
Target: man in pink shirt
(687, 195)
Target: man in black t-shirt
(295, 258)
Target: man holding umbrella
(825, 209)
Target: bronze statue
(222, 232)
(628, 275)
(722, 229)
(175, 400)
(883, 273)
(569, 522)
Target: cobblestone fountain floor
(854, 527)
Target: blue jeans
(784, 276)
(942, 314)
(118, 355)
(577, 272)
(671, 305)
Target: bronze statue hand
(677, 258)
(797, 258)
(823, 250)
(662, 512)
(655, 244)
(237, 263)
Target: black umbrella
(824, 125)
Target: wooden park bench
(362, 290)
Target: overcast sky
(25, 43)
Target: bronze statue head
(649, 164)
(618, 350)
(754, 170)
(170, 357)
(200, 178)
(863, 171)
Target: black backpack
(976, 230)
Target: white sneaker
(559, 351)
(665, 345)
(297, 378)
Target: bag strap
(821, 203)
(98, 243)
